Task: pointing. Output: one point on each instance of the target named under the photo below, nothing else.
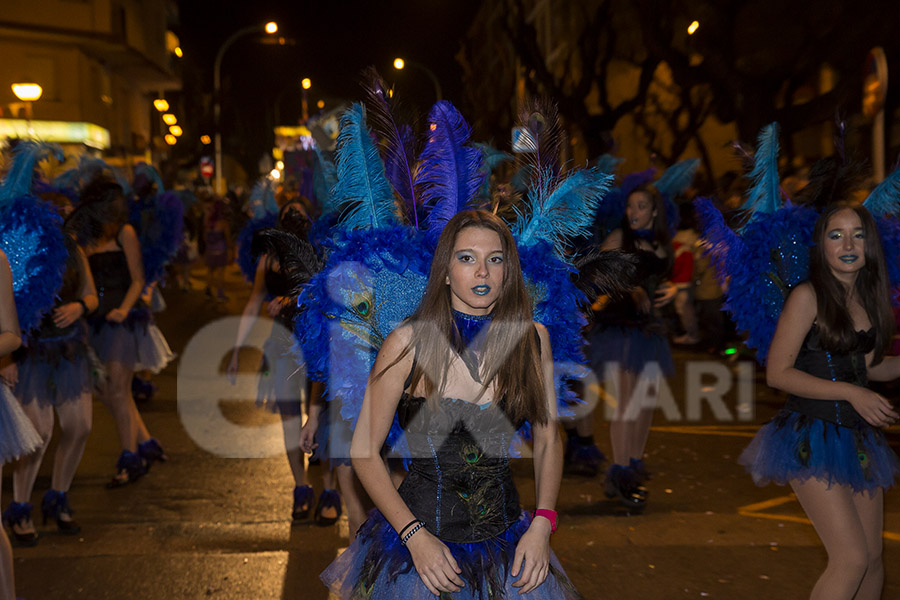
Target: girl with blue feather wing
(122, 331)
(827, 286)
(17, 436)
(286, 260)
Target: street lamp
(161, 105)
(169, 119)
(269, 28)
(400, 64)
(304, 102)
(27, 93)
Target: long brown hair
(511, 358)
(871, 288)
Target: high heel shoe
(129, 468)
(19, 513)
(54, 505)
(582, 458)
(621, 483)
(328, 499)
(151, 451)
(303, 497)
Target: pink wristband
(550, 515)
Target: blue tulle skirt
(633, 348)
(282, 381)
(137, 343)
(795, 446)
(17, 435)
(377, 567)
(56, 370)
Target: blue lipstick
(849, 258)
(482, 290)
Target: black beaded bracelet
(407, 526)
(412, 532)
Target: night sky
(333, 41)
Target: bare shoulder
(397, 341)
(802, 298)
(543, 335)
(127, 233)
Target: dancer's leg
(834, 515)
(75, 420)
(7, 582)
(117, 398)
(25, 470)
(620, 426)
(870, 509)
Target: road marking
(747, 431)
(755, 511)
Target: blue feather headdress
(449, 172)
(363, 191)
(264, 213)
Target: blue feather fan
(764, 195)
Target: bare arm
(10, 336)
(534, 546)
(132, 247)
(887, 370)
(65, 315)
(250, 314)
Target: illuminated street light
(169, 119)
(175, 130)
(205, 140)
(400, 64)
(171, 139)
(178, 52)
(693, 27)
(161, 105)
(306, 83)
(269, 28)
(280, 165)
(320, 104)
(275, 174)
(27, 92)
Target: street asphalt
(212, 527)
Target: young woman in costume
(55, 374)
(629, 335)
(462, 374)
(17, 436)
(217, 247)
(122, 332)
(283, 383)
(827, 442)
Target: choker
(469, 343)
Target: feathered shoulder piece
(158, 220)
(31, 237)
(767, 257)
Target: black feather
(606, 272)
(296, 256)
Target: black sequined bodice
(651, 271)
(849, 367)
(112, 278)
(459, 482)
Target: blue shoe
(19, 513)
(622, 484)
(129, 468)
(328, 499)
(151, 451)
(303, 497)
(54, 505)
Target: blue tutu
(795, 446)
(377, 567)
(17, 435)
(53, 371)
(137, 343)
(282, 381)
(631, 347)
